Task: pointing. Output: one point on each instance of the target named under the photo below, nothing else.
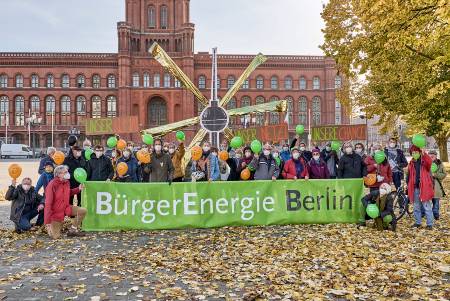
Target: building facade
(47, 96)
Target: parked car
(15, 150)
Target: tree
(396, 57)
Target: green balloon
(300, 129)
(236, 142)
(419, 140)
(387, 219)
(434, 167)
(80, 175)
(379, 156)
(112, 142)
(180, 135)
(335, 145)
(147, 139)
(88, 153)
(278, 160)
(256, 146)
(372, 210)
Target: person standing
(382, 170)
(438, 177)
(160, 168)
(397, 161)
(351, 165)
(420, 186)
(295, 168)
(304, 153)
(317, 168)
(285, 154)
(48, 158)
(99, 167)
(177, 154)
(209, 162)
(73, 161)
(132, 163)
(26, 205)
(265, 166)
(331, 159)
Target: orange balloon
(143, 156)
(223, 155)
(245, 174)
(14, 171)
(121, 144)
(370, 179)
(58, 158)
(122, 168)
(196, 153)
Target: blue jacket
(43, 181)
(214, 168)
(133, 168)
(285, 155)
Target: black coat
(351, 166)
(20, 198)
(99, 169)
(234, 174)
(74, 163)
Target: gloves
(380, 178)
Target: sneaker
(429, 228)
(436, 218)
(75, 233)
(361, 224)
(416, 226)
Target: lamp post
(34, 122)
(362, 116)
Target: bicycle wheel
(399, 205)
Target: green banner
(150, 206)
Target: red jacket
(426, 183)
(383, 169)
(289, 170)
(57, 204)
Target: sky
(234, 26)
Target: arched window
(302, 83)
(246, 84)
(274, 116)
(337, 82)
(316, 110)
(50, 81)
(49, 105)
(302, 110)
(230, 81)
(65, 105)
(135, 79)
(65, 81)
(290, 103)
(163, 17)
(20, 111)
(34, 81)
(35, 104)
(202, 82)
(19, 81)
(4, 110)
(151, 17)
(3, 81)
(274, 83)
(96, 81)
(338, 112)
(111, 106)
(146, 80)
(156, 80)
(288, 83)
(81, 105)
(81, 80)
(260, 116)
(111, 81)
(167, 80)
(260, 82)
(96, 107)
(245, 101)
(316, 83)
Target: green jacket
(439, 176)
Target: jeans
(24, 222)
(435, 202)
(418, 209)
(397, 179)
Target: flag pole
(53, 123)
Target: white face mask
(126, 154)
(98, 154)
(158, 148)
(275, 155)
(266, 152)
(302, 148)
(328, 148)
(238, 156)
(67, 176)
(26, 187)
(214, 154)
(392, 145)
(358, 151)
(248, 154)
(113, 154)
(316, 158)
(285, 148)
(171, 150)
(296, 155)
(206, 149)
(166, 149)
(348, 150)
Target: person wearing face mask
(160, 168)
(285, 154)
(264, 165)
(57, 206)
(233, 163)
(26, 205)
(295, 168)
(177, 154)
(166, 147)
(133, 167)
(245, 161)
(331, 159)
(359, 149)
(382, 170)
(46, 177)
(73, 161)
(99, 167)
(209, 162)
(351, 165)
(317, 168)
(304, 153)
(278, 161)
(49, 157)
(420, 186)
(397, 160)
(438, 177)
(385, 202)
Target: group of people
(290, 161)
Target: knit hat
(414, 149)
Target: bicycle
(401, 203)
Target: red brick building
(71, 87)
